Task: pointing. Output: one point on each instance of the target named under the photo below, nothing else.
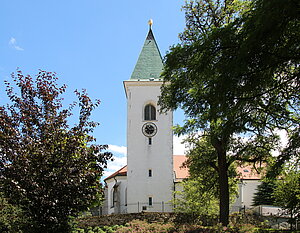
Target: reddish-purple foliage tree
(50, 169)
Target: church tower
(149, 136)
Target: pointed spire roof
(149, 65)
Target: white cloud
(283, 137)
(13, 42)
(179, 148)
(118, 163)
(115, 165)
(118, 149)
(283, 141)
(120, 159)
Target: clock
(149, 129)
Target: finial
(150, 22)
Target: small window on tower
(150, 173)
(150, 201)
(150, 141)
(126, 196)
(149, 112)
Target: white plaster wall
(122, 189)
(247, 188)
(141, 156)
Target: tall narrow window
(149, 113)
(126, 196)
(113, 197)
(150, 173)
(150, 201)
(150, 141)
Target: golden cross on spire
(150, 22)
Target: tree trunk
(224, 187)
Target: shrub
(12, 218)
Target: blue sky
(91, 44)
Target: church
(152, 174)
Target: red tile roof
(245, 172)
(180, 171)
(120, 172)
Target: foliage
(289, 156)
(287, 193)
(200, 194)
(264, 194)
(104, 229)
(204, 16)
(272, 57)
(144, 227)
(144, 222)
(50, 169)
(12, 218)
(195, 198)
(236, 78)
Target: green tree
(50, 169)
(230, 84)
(200, 190)
(200, 193)
(271, 55)
(196, 198)
(264, 194)
(12, 218)
(289, 156)
(287, 193)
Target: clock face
(149, 129)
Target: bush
(248, 223)
(143, 226)
(12, 218)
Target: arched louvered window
(149, 112)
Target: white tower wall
(141, 156)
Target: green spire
(149, 65)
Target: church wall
(178, 187)
(120, 204)
(141, 156)
(247, 188)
